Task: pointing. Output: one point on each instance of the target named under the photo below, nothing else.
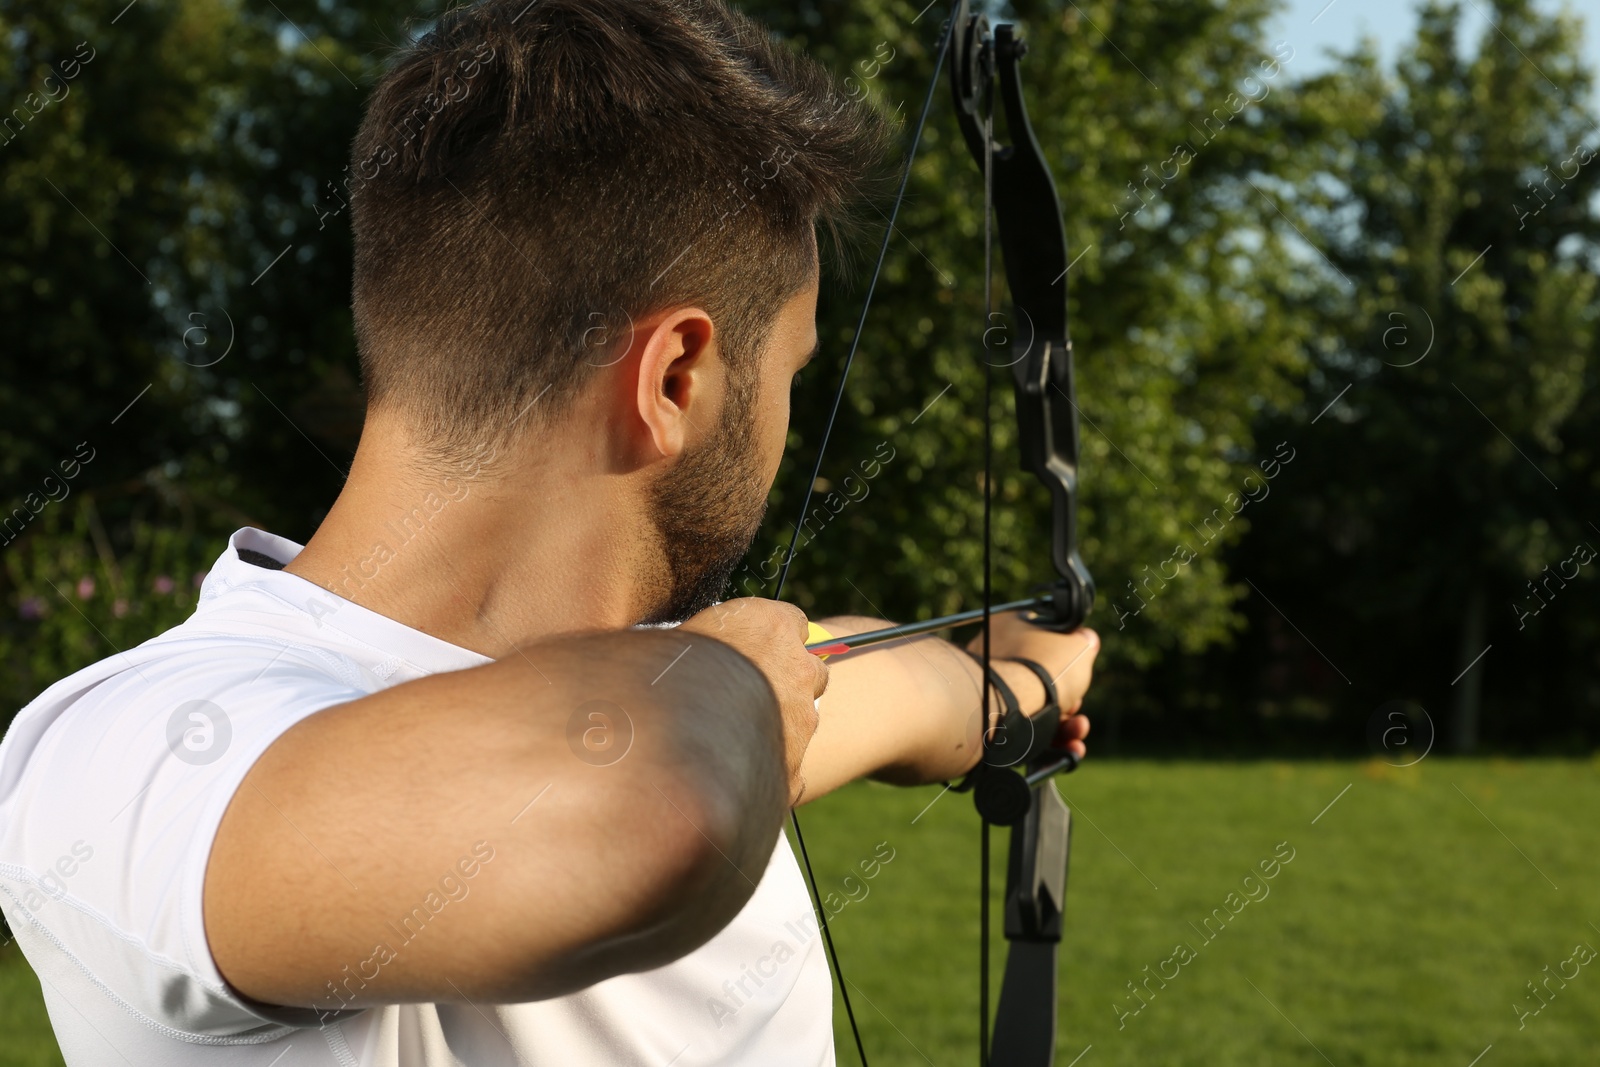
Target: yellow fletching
(815, 633)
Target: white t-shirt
(113, 783)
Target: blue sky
(1312, 26)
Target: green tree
(176, 268)
(191, 210)
(1456, 201)
(1156, 117)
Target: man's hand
(1068, 657)
(907, 712)
(772, 635)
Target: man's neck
(485, 558)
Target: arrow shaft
(926, 626)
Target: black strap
(1049, 718)
(1051, 700)
(1001, 749)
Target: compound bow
(1012, 783)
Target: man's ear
(681, 382)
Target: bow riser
(1048, 436)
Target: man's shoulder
(127, 765)
(188, 696)
(184, 656)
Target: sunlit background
(1360, 305)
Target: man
(423, 792)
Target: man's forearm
(904, 712)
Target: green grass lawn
(1403, 931)
(25, 1037)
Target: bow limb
(1033, 242)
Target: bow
(1011, 784)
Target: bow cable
(988, 572)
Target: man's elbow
(699, 851)
(707, 804)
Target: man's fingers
(1073, 682)
(797, 618)
(819, 678)
(772, 636)
(1070, 735)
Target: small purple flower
(31, 607)
(119, 607)
(164, 584)
(85, 587)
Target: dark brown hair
(533, 174)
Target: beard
(707, 511)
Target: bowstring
(988, 576)
(816, 472)
(861, 323)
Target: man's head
(604, 209)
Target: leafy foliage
(173, 242)
(1177, 297)
(1456, 200)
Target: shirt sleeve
(111, 821)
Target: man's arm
(907, 712)
(364, 813)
